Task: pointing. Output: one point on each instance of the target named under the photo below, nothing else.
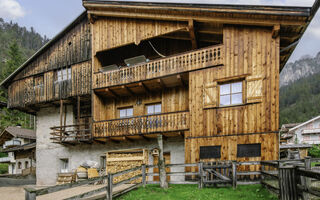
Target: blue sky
(49, 17)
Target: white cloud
(11, 9)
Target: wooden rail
(193, 60)
(165, 122)
(71, 133)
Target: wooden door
(166, 156)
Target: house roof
(19, 132)
(304, 123)
(295, 146)
(6, 81)
(21, 148)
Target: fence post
(234, 174)
(306, 182)
(143, 170)
(29, 195)
(200, 168)
(287, 183)
(109, 186)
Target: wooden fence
(291, 179)
(71, 133)
(164, 122)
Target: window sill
(233, 105)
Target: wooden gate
(220, 172)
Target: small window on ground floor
(26, 164)
(207, 152)
(64, 165)
(248, 150)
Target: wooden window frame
(152, 104)
(243, 92)
(68, 70)
(125, 108)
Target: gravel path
(17, 193)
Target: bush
(3, 168)
(314, 151)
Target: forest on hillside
(16, 45)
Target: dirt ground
(17, 192)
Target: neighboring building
(305, 133)
(20, 144)
(204, 76)
(284, 132)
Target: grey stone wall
(48, 154)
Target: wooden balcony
(144, 126)
(71, 134)
(161, 68)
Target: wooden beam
(99, 141)
(114, 141)
(111, 92)
(78, 109)
(161, 83)
(275, 31)
(181, 82)
(145, 138)
(144, 87)
(128, 90)
(192, 33)
(129, 139)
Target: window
(231, 94)
(64, 74)
(249, 150)
(154, 109)
(26, 165)
(207, 152)
(19, 165)
(64, 165)
(126, 112)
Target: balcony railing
(71, 133)
(11, 143)
(142, 125)
(193, 60)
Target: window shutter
(210, 95)
(254, 89)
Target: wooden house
(206, 77)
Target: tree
(161, 165)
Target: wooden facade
(190, 52)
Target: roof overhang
(291, 20)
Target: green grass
(177, 192)
(313, 164)
(3, 168)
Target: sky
(49, 17)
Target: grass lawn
(3, 168)
(313, 164)
(175, 192)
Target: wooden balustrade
(206, 57)
(71, 133)
(166, 122)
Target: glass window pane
(150, 109)
(69, 73)
(236, 98)
(129, 112)
(236, 87)
(224, 89)
(123, 113)
(225, 100)
(157, 108)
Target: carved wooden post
(161, 165)
(234, 174)
(109, 187)
(306, 182)
(143, 169)
(287, 183)
(200, 168)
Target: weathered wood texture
(175, 64)
(45, 87)
(251, 54)
(114, 32)
(74, 47)
(37, 82)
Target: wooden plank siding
(37, 82)
(249, 52)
